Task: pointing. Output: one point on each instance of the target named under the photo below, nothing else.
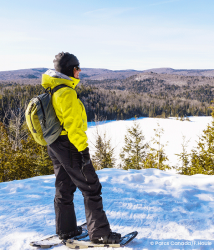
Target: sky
(113, 34)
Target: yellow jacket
(69, 110)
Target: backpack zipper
(44, 118)
(29, 113)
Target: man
(70, 155)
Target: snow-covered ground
(169, 211)
(164, 208)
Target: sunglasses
(77, 67)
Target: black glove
(85, 157)
(85, 160)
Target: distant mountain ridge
(22, 74)
(102, 74)
(86, 73)
(184, 72)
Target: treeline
(111, 104)
(119, 105)
(189, 88)
(158, 94)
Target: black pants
(67, 163)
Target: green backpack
(41, 117)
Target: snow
(169, 211)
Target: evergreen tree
(29, 160)
(202, 158)
(39, 158)
(44, 165)
(104, 153)
(6, 154)
(156, 157)
(184, 157)
(134, 151)
(22, 164)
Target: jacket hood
(52, 78)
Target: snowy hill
(169, 211)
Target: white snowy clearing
(169, 211)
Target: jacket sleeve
(73, 123)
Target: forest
(144, 95)
(148, 95)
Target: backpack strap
(52, 91)
(58, 87)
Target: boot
(112, 238)
(65, 236)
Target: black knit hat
(65, 63)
